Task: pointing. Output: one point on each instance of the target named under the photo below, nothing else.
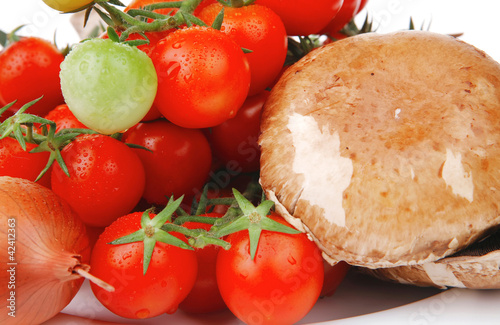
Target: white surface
(359, 300)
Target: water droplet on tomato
(84, 66)
(178, 44)
(123, 61)
(173, 69)
(291, 260)
(172, 310)
(143, 313)
(188, 78)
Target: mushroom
(476, 267)
(384, 148)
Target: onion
(44, 252)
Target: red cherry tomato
(29, 68)
(179, 163)
(260, 30)
(334, 275)
(205, 296)
(362, 5)
(106, 178)
(202, 5)
(170, 276)
(16, 162)
(6, 115)
(282, 283)
(345, 15)
(64, 118)
(234, 142)
(303, 17)
(203, 77)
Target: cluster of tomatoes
(133, 126)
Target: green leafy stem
(143, 20)
(20, 126)
(241, 216)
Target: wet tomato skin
(282, 283)
(208, 73)
(29, 69)
(260, 30)
(106, 178)
(170, 276)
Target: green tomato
(66, 5)
(108, 86)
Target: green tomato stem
(202, 219)
(189, 5)
(119, 16)
(160, 23)
(203, 241)
(237, 3)
(145, 13)
(168, 227)
(163, 5)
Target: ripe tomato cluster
(160, 105)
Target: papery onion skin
(50, 241)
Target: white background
(477, 20)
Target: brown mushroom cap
(384, 147)
(476, 267)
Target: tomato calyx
(151, 232)
(242, 215)
(254, 219)
(8, 38)
(144, 19)
(12, 126)
(3, 39)
(352, 29)
(300, 46)
(20, 127)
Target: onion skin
(50, 242)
